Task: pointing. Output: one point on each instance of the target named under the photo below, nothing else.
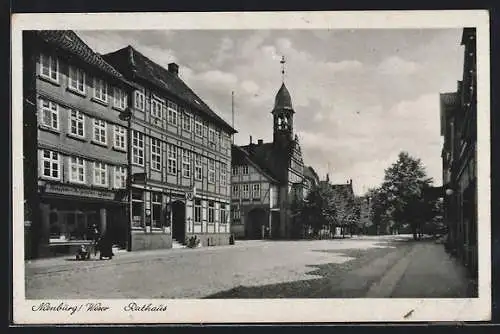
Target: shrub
(193, 242)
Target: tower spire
(282, 62)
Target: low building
(180, 161)
(75, 152)
(459, 155)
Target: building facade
(180, 161)
(75, 144)
(274, 169)
(458, 128)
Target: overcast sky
(360, 96)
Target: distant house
(347, 210)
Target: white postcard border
(262, 310)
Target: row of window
(49, 69)
(49, 112)
(237, 169)
(52, 164)
(211, 213)
(176, 115)
(243, 190)
(174, 153)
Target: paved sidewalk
(430, 272)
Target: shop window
(54, 225)
(137, 211)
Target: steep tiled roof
(69, 41)
(239, 155)
(265, 156)
(130, 61)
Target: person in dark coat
(106, 247)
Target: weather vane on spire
(282, 62)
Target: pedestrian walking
(96, 235)
(106, 247)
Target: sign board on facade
(75, 191)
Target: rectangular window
(198, 129)
(256, 191)
(236, 191)
(172, 159)
(119, 98)
(217, 138)
(235, 170)
(120, 177)
(77, 123)
(138, 148)
(156, 212)
(172, 113)
(137, 208)
(197, 211)
(49, 67)
(235, 211)
(120, 137)
(244, 170)
(211, 212)
(211, 170)
(223, 216)
(155, 154)
(156, 111)
(49, 114)
(100, 131)
(246, 190)
(139, 100)
(186, 121)
(223, 140)
(77, 170)
(101, 90)
(186, 163)
(198, 168)
(51, 164)
(76, 79)
(100, 174)
(211, 136)
(223, 177)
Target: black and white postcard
(251, 167)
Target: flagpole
(232, 113)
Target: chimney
(173, 68)
(350, 182)
(251, 141)
(260, 141)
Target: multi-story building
(458, 127)
(268, 177)
(75, 143)
(180, 161)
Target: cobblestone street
(391, 266)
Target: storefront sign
(73, 191)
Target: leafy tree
(318, 209)
(400, 198)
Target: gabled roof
(239, 156)
(69, 41)
(310, 173)
(345, 190)
(265, 156)
(131, 62)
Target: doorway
(179, 221)
(256, 219)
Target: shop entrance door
(179, 221)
